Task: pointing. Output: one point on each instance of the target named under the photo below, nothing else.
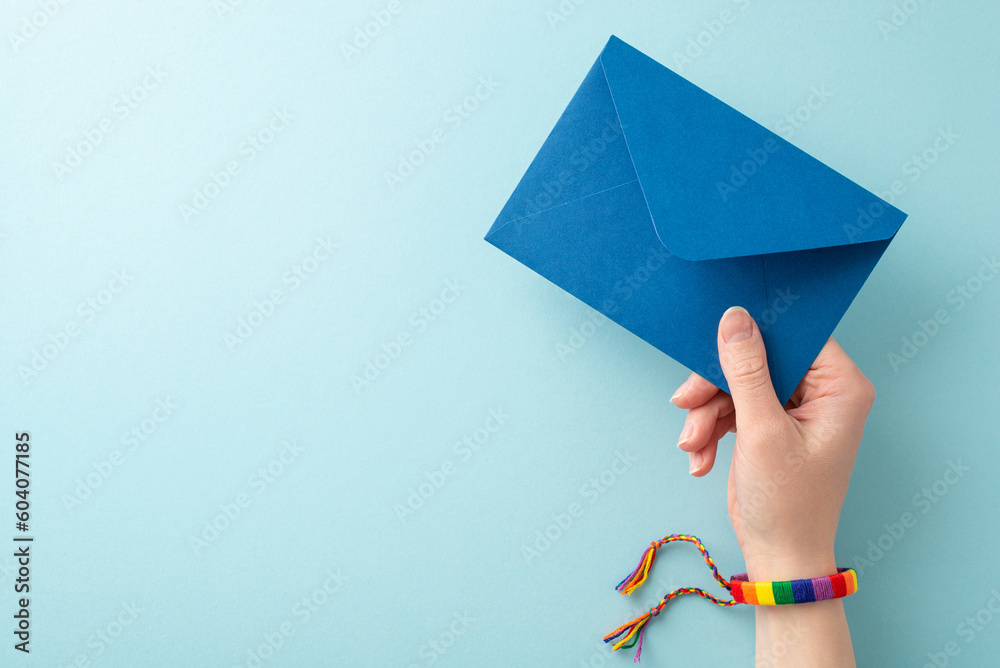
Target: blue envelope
(661, 206)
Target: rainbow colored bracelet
(843, 583)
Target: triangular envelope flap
(718, 184)
(584, 154)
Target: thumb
(744, 362)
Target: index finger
(694, 392)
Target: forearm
(805, 634)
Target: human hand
(791, 464)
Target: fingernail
(680, 390)
(686, 434)
(737, 325)
(696, 459)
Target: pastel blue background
(334, 508)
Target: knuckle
(858, 390)
(853, 387)
(866, 392)
(750, 370)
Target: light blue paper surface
(508, 403)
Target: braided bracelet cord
(632, 632)
(844, 583)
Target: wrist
(790, 565)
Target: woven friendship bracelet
(843, 583)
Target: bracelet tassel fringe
(630, 634)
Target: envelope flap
(718, 184)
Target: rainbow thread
(844, 583)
